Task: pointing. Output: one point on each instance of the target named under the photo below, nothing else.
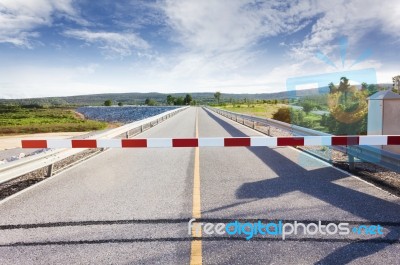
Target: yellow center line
(196, 246)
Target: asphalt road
(132, 206)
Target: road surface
(132, 206)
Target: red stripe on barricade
(34, 143)
(237, 141)
(86, 143)
(188, 142)
(345, 140)
(134, 143)
(393, 140)
(290, 141)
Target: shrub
(282, 114)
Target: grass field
(18, 120)
(264, 110)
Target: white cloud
(113, 43)
(219, 38)
(20, 18)
(353, 19)
(213, 26)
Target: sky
(76, 47)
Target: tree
(348, 114)
(339, 128)
(170, 100)
(348, 108)
(364, 86)
(396, 84)
(108, 102)
(179, 101)
(150, 102)
(372, 89)
(187, 100)
(217, 96)
(332, 88)
(120, 104)
(307, 107)
(344, 87)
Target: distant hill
(139, 98)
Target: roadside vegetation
(26, 119)
(281, 111)
(343, 110)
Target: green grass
(264, 110)
(16, 120)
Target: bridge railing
(369, 154)
(48, 158)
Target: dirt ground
(14, 141)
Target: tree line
(170, 100)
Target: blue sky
(67, 47)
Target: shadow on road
(317, 183)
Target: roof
(383, 95)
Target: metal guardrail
(14, 169)
(364, 153)
(376, 156)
